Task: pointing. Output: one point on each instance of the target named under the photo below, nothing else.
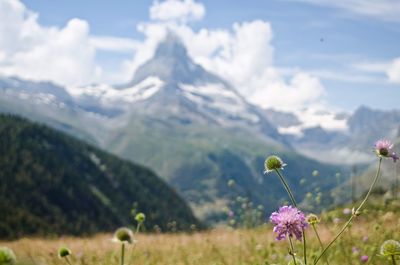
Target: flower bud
(273, 163)
(63, 252)
(312, 219)
(390, 248)
(123, 235)
(7, 256)
(231, 183)
(140, 217)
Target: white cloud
(63, 55)
(244, 57)
(178, 10)
(115, 44)
(387, 10)
(393, 71)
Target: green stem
(292, 250)
(122, 253)
(66, 258)
(393, 260)
(287, 188)
(320, 242)
(355, 213)
(138, 227)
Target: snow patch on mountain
(218, 97)
(313, 117)
(109, 96)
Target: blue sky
(350, 48)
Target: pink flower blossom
(288, 221)
(383, 148)
(364, 258)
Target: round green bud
(390, 248)
(7, 256)
(140, 217)
(273, 163)
(315, 173)
(312, 219)
(63, 252)
(231, 183)
(123, 235)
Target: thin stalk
(138, 227)
(320, 242)
(66, 258)
(393, 260)
(287, 188)
(292, 250)
(357, 211)
(122, 253)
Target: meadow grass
(255, 246)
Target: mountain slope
(52, 183)
(199, 161)
(350, 145)
(197, 132)
(192, 128)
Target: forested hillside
(53, 183)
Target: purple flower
(364, 258)
(288, 221)
(383, 148)
(355, 250)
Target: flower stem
(320, 242)
(292, 250)
(66, 258)
(393, 260)
(355, 213)
(138, 227)
(287, 188)
(122, 253)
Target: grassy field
(222, 246)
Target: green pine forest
(53, 184)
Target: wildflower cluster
(290, 222)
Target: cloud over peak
(184, 11)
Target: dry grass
(221, 246)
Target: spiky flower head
(298, 262)
(312, 219)
(63, 252)
(123, 235)
(273, 163)
(390, 248)
(288, 221)
(383, 148)
(140, 217)
(7, 256)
